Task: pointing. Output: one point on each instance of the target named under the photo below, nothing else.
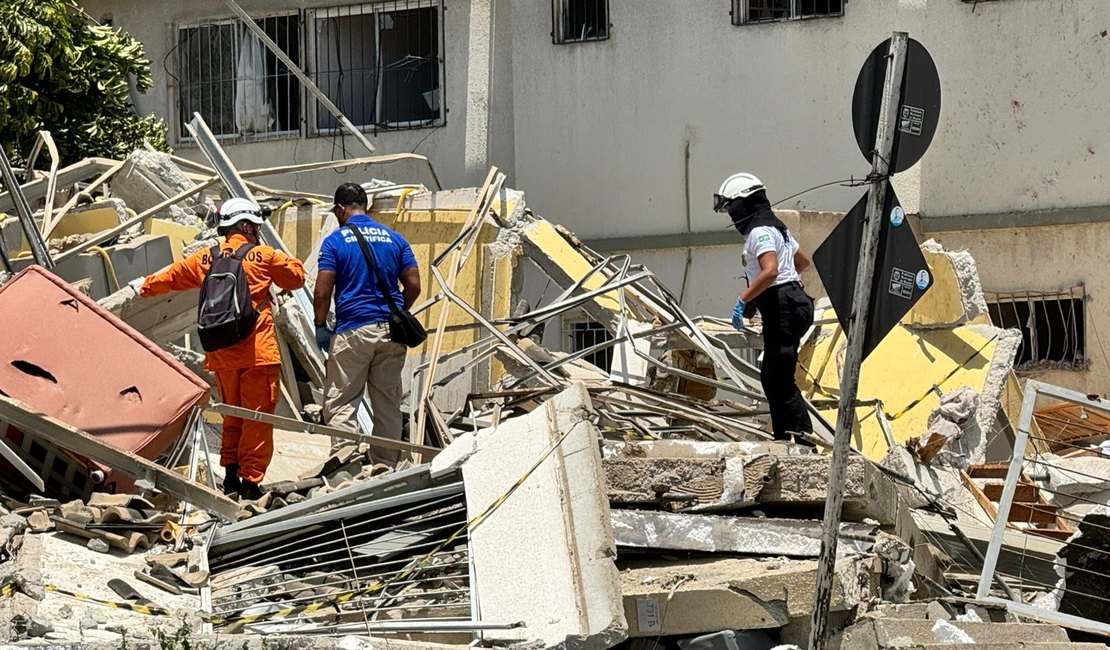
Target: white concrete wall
(154, 23)
(601, 128)
(597, 132)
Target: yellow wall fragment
(430, 232)
(901, 372)
(942, 303)
(180, 236)
(298, 224)
(545, 237)
(89, 221)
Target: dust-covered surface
(65, 562)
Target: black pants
(787, 313)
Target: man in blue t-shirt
(361, 354)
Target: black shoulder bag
(403, 326)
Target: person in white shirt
(772, 259)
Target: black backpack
(226, 314)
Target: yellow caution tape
(149, 610)
(7, 590)
(336, 600)
(339, 599)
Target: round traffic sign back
(918, 110)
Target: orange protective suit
(247, 372)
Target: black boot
(232, 482)
(250, 491)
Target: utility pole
(857, 333)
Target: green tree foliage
(62, 72)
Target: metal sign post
(849, 383)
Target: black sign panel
(901, 273)
(918, 112)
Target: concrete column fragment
(545, 556)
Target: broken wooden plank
(310, 427)
(20, 415)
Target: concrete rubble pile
(542, 500)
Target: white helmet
(235, 210)
(737, 186)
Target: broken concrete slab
(545, 556)
(746, 535)
(702, 596)
(912, 361)
(688, 484)
(1077, 477)
(767, 479)
(149, 178)
(873, 633)
(162, 319)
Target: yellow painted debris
(180, 236)
(545, 237)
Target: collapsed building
(544, 500)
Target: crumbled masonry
(546, 502)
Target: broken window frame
(295, 97)
(742, 11)
(560, 17)
(314, 113)
(1036, 353)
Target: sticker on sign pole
(922, 281)
(897, 216)
(901, 283)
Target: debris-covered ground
(541, 500)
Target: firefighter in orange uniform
(247, 372)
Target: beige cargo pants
(365, 358)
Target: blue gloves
(738, 314)
(323, 337)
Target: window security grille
(227, 75)
(380, 63)
(746, 12)
(586, 334)
(1052, 325)
(577, 21)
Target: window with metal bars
(585, 335)
(745, 12)
(379, 63)
(227, 75)
(1052, 325)
(577, 21)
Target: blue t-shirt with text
(358, 300)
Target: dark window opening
(588, 334)
(381, 68)
(764, 11)
(237, 85)
(1052, 326)
(578, 21)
